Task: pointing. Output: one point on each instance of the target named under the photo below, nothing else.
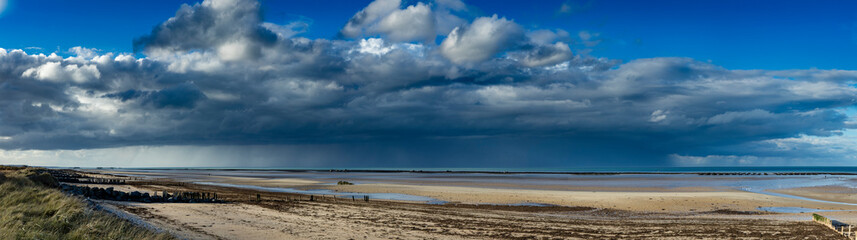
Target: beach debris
(344, 183)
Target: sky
(428, 84)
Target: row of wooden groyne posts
(176, 197)
(846, 230)
(109, 193)
(75, 177)
(136, 196)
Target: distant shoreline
(735, 172)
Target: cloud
(543, 55)
(54, 71)
(84, 52)
(289, 30)
(483, 39)
(180, 96)
(464, 43)
(211, 76)
(571, 6)
(232, 27)
(416, 22)
(421, 22)
(544, 36)
(375, 46)
(752, 115)
(449, 15)
(369, 16)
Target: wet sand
(637, 201)
(827, 193)
(477, 211)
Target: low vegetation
(32, 208)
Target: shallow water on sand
(792, 210)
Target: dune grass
(31, 210)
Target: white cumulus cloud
(481, 40)
(55, 71)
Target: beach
(413, 205)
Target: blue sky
(435, 83)
(734, 34)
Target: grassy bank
(31, 209)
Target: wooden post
(352, 198)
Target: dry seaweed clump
(29, 209)
(344, 183)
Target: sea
(751, 179)
(724, 169)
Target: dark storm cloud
(214, 75)
(180, 96)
